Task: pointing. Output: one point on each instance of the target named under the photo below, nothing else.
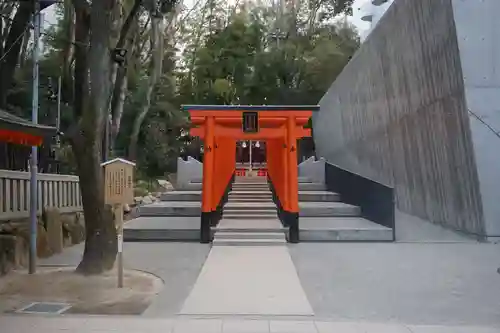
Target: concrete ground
(431, 276)
(113, 324)
(425, 284)
(416, 230)
(177, 264)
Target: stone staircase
(250, 216)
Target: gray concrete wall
(313, 169)
(187, 171)
(398, 114)
(478, 31)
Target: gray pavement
(413, 229)
(22, 324)
(425, 284)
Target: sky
(355, 19)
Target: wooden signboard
(119, 181)
(119, 190)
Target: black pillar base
(216, 217)
(291, 220)
(205, 224)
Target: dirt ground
(86, 294)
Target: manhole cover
(45, 307)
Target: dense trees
(127, 65)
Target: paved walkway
(248, 280)
(253, 280)
(23, 324)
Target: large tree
(96, 57)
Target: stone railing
(57, 191)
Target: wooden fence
(60, 191)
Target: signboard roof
(118, 159)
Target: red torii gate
(220, 126)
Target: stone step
(250, 209)
(233, 199)
(171, 208)
(250, 193)
(305, 196)
(249, 227)
(250, 206)
(250, 198)
(191, 187)
(250, 235)
(249, 188)
(301, 179)
(318, 196)
(248, 242)
(258, 179)
(338, 229)
(312, 187)
(327, 209)
(246, 189)
(250, 217)
(162, 229)
(181, 196)
(250, 212)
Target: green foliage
(218, 55)
(240, 64)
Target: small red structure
(20, 131)
(221, 126)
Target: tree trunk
(92, 88)
(100, 243)
(155, 69)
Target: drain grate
(45, 308)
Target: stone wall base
(55, 232)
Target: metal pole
(37, 18)
(119, 222)
(58, 121)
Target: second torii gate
(220, 126)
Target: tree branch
(82, 6)
(128, 24)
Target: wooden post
(119, 227)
